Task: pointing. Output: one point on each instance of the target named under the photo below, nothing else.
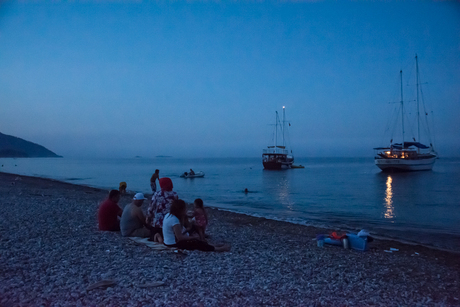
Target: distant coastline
(14, 147)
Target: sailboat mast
(283, 124)
(276, 130)
(418, 109)
(402, 109)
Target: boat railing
(275, 151)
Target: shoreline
(326, 230)
(319, 230)
(255, 215)
(52, 251)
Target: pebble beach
(52, 254)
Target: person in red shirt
(109, 211)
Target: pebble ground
(51, 252)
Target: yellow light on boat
(387, 152)
(284, 107)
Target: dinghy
(188, 175)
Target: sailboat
(276, 157)
(407, 155)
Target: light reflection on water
(285, 194)
(389, 214)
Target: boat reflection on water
(389, 213)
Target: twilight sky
(204, 79)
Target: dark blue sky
(119, 79)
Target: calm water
(349, 194)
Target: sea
(345, 194)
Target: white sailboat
(407, 156)
(277, 157)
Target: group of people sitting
(166, 220)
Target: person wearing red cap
(160, 205)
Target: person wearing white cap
(132, 223)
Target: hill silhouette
(14, 147)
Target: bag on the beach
(336, 236)
(358, 243)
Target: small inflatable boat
(196, 175)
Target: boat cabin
(391, 153)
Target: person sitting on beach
(109, 211)
(191, 172)
(173, 236)
(122, 187)
(133, 220)
(160, 205)
(201, 218)
(153, 180)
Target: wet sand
(51, 252)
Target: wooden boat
(277, 157)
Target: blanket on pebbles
(151, 244)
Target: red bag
(336, 236)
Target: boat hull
(405, 165)
(277, 161)
(277, 165)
